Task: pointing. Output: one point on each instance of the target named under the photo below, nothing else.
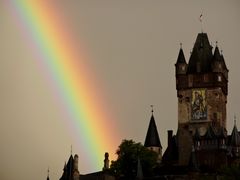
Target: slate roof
(223, 61)
(152, 138)
(201, 54)
(216, 55)
(68, 169)
(181, 57)
(235, 137)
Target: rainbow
(57, 53)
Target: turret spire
(235, 119)
(152, 109)
(48, 174)
(201, 21)
(152, 138)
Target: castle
(201, 143)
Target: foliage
(229, 172)
(126, 164)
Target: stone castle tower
(202, 89)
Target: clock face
(202, 131)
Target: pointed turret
(225, 69)
(235, 141)
(216, 55)
(181, 65)
(70, 170)
(218, 63)
(48, 174)
(235, 138)
(200, 60)
(152, 140)
(223, 61)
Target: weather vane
(152, 108)
(201, 20)
(235, 119)
(48, 171)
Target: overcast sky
(133, 46)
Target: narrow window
(219, 78)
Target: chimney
(106, 161)
(170, 133)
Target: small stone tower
(106, 161)
(75, 168)
(202, 89)
(152, 140)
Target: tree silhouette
(126, 164)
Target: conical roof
(200, 59)
(181, 57)
(223, 61)
(68, 169)
(216, 55)
(235, 138)
(152, 138)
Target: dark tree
(126, 164)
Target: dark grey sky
(133, 46)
